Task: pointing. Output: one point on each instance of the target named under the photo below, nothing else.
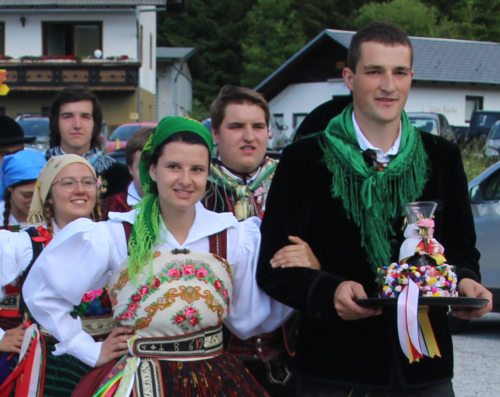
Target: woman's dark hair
(182, 136)
(70, 94)
(6, 211)
(7, 198)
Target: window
(491, 187)
(78, 38)
(297, 119)
(2, 39)
(151, 51)
(141, 47)
(279, 119)
(472, 103)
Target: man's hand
(115, 345)
(12, 340)
(345, 304)
(472, 289)
(298, 254)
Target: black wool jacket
(361, 353)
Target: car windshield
(486, 120)
(425, 124)
(35, 127)
(124, 132)
(495, 133)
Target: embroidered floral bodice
(183, 293)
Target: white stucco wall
(119, 30)
(174, 90)
(147, 74)
(302, 98)
(450, 101)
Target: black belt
(204, 344)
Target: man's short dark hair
(74, 93)
(231, 94)
(136, 142)
(379, 32)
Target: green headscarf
(374, 198)
(147, 223)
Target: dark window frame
(2, 38)
(72, 25)
(478, 105)
(297, 118)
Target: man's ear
(347, 75)
(215, 135)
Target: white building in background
(174, 81)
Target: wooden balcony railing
(48, 75)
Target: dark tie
(370, 157)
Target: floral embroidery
(187, 318)
(185, 270)
(94, 303)
(43, 237)
(188, 294)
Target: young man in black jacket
(348, 208)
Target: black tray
(455, 302)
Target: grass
(474, 159)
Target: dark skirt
(62, 373)
(8, 360)
(221, 376)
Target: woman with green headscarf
(177, 274)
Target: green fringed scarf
(371, 198)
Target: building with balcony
(107, 46)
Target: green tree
(478, 19)
(215, 28)
(413, 16)
(274, 34)
(317, 15)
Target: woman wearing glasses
(181, 273)
(65, 190)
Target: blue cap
(22, 166)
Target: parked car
(37, 126)
(433, 123)
(481, 122)
(118, 138)
(485, 201)
(484, 193)
(492, 146)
